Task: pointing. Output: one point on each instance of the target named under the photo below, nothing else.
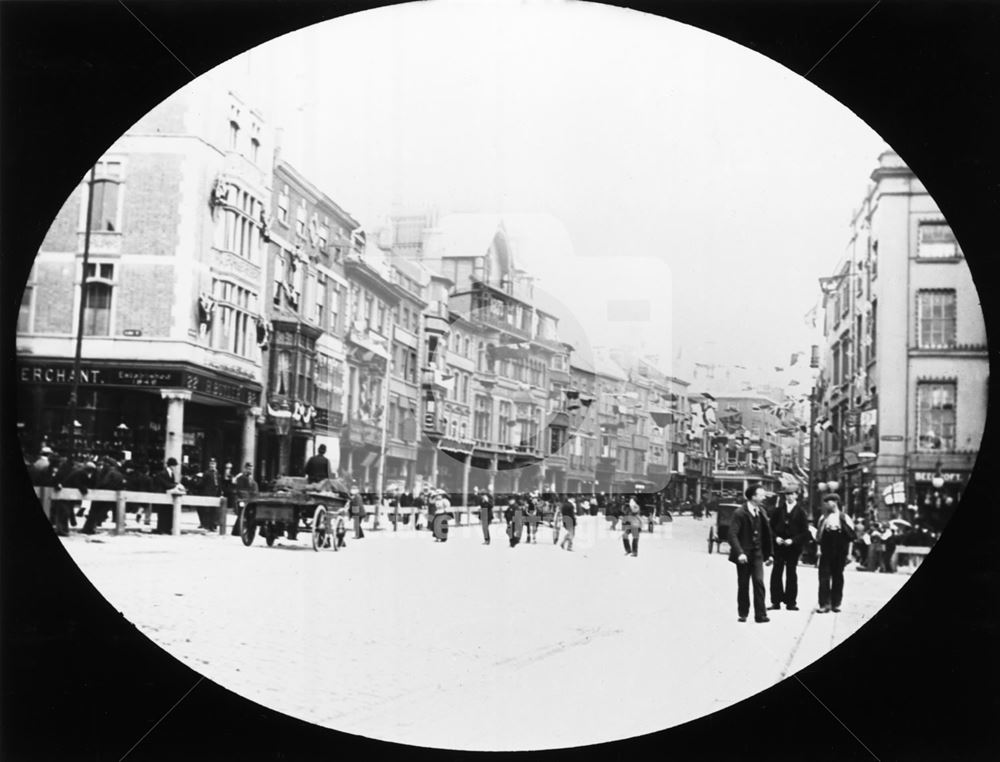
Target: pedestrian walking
(566, 513)
(209, 486)
(790, 530)
(531, 517)
(631, 528)
(514, 515)
(833, 539)
(486, 514)
(750, 549)
(357, 512)
(318, 466)
(165, 481)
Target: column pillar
(434, 467)
(350, 464)
(517, 480)
(174, 437)
(541, 477)
(250, 437)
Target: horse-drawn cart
(292, 507)
(719, 532)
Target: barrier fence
(179, 501)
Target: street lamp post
(75, 390)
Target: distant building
(903, 390)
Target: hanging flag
(810, 317)
(779, 369)
(795, 358)
(793, 382)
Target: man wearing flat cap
(833, 539)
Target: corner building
(171, 295)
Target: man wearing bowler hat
(750, 549)
(790, 532)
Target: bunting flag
(794, 382)
(586, 401)
(795, 358)
(661, 418)
(778, 369)
(572, 394)
(810, 317)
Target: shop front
(146, 412)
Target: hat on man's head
(45, 451)
(89, 464)
(171, 461)
(832, 497)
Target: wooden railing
(178, 500)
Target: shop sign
(41, 373)
(131, 332)
(224, 390)
(926, 476)
(891, 437)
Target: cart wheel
(319, 528)
(711, 538)
(248, 530)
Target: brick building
(170, 363)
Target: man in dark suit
(318, 466)
(750, 549)
(790, 532)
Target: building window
(321, 380)
(320, 299)
(300, 219)
(935, 240)
(283, 206)
(323, 235)
(283, 367)
(106, 203)
(234, 135)
(98, 287)
(872, 331)
(254, 150)
(233, 325)
(936, 310)
(24, 313)
(240, 231)
(506, 421)
(936, 416)
(305, 391)
(481, 421)
(334, 308)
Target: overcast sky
(636, 137)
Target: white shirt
(753, 509)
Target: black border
(77, 683)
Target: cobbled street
(467, 646)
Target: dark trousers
(60, 513)
(358, 531)
(784, 575)
(484, 520)
(96, 516)
(634, 547)
(164, 519)
(208, 517)
(831, 581)
(752, 569)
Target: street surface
(465, 646)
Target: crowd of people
(761, 532)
